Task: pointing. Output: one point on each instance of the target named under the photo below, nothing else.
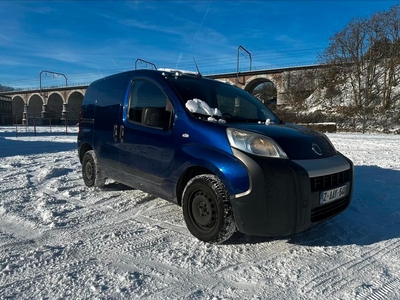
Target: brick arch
(33, 95)
(35, 105)
(254, 81)
(18, 104)
(277, 79)
(80, 91)
(55, 103)
(258, 82)
(57, 93)
(74, 100)
(22, 96)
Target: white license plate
(332, 195)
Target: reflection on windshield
(216, 99)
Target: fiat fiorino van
(215, 150)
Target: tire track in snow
(104, 251)
(20, 230)
(384, 292)
(45, 273)
(163, 224)
(125, 243)
(180, 282)
(332, 281)
(107, 217)
(147, 215)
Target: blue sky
(87, 40)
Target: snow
(267, 122)
(59, 239)
(201, 107)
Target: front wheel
(91, 173)
(207, 209)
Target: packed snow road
(59, 239)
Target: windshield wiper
(243, 119)
(238, 119)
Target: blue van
(215, 150)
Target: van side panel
(108, 121)
(88, 110)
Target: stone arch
(263, 87)
(35, 104)
(22, 96)
(55, 94)
(252, 82)
(18, 109)
(74, 101)
(54, 107)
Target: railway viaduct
(59, 104)
(54, 104)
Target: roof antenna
(198, 71)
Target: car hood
(298, 142)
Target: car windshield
(205, 97)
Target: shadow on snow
(12, 147)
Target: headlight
(254, 143)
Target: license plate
(332, 195)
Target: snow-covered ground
(59, 239)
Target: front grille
(329, 210)
(327, 182)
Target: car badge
(316, 149)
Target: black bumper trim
(280, 201)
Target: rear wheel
(207, 209)
(91, 172)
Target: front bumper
(283, 197)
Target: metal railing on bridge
(37, 126)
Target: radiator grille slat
(327, 182)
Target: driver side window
(149, 106)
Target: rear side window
(149, 106)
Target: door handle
(115, 133)
(122, 133)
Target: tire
(207, 209)
(91, 172)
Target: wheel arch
(206, 160)
(85, 147)
(186, 176)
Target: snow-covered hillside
(59, 239)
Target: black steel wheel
(91, 173)
(207, 209)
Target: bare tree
(4, 88)
(332, 81)
(366, 54)
(346, 53)
(390, 52)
